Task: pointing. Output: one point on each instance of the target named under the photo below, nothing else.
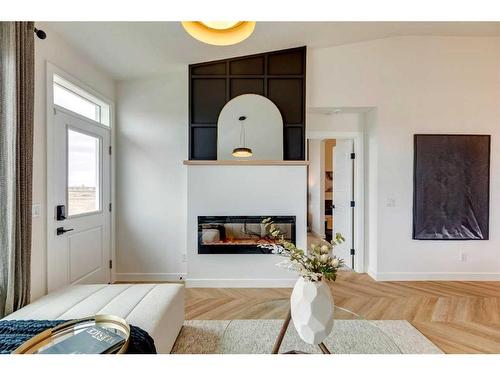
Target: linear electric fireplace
(239, 234)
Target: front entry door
(79, 230)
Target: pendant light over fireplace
(219, 33)
(242, 151)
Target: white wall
(57, 51)
(418, 85)
(151, 142)
(346, 122)
(243, 190)
(316, 188)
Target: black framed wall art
(451, 193)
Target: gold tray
(54, 335)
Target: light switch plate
(35, 210)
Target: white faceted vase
(312, 310)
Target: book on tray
(93, 340)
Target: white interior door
(79, 234)
(342, 197)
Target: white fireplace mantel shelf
(247, 162)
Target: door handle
(61, 230)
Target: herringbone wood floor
(458, 316)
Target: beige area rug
(258, 336)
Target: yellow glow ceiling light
(219, 33)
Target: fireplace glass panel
(239, 234)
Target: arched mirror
(250, 126)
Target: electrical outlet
(463, 257)
(390, 202)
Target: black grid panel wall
(279, 76)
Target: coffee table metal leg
(323, 348)
(281, 336)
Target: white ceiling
(136, 49)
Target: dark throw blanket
(14, 332)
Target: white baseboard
(372, 274)
(149, 276)
(240, 283)
(434, 276)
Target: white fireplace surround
(236, 190)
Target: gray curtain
(16, 162)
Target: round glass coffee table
(351, 333)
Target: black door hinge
(353, 204)
(353, 251)
(110, 264)
(110, 150)
(110, 207)
(353, 155)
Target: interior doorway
(333, 189)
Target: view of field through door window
(83, 173)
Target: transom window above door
(76, 99)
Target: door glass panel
(83, 173)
